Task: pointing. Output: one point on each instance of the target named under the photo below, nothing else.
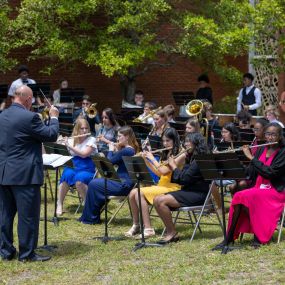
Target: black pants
(26, 200)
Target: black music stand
(57, 149)
(3, 91)
(46, 246)
(221, 166)
(182, 97)
(107, 171)
(139, 173)
(44, 87)
(71, 95)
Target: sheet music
(55, 160)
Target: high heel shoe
(174, 238)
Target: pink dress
(265, 206)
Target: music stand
(139, 173)
(71, 95)
(155, 142)
(45, 87)
(57, 149)
(107, 171)
(3, 91)
(221, 166)
(182, 97)
(46, 246)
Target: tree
(128, 37)
(6, 62)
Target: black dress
(194, 188)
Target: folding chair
(122, 200)
(281, 225)
(207, 205)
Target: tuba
(91, 111)
(195, 108)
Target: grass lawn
(79, 259)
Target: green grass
(79, 259)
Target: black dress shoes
(35, 257)
(8, 257)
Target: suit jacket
(275, 172)
(22, 134)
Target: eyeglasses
(256, 129)
(268, 134)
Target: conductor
(21, 174)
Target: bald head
(24, 96)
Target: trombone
(140, 119)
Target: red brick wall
(157, 84)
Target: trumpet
(140, 119)
(177, 155)
(231, 150)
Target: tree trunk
(128, 86)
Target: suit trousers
(26, 200)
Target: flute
(240, 148)
(156, 151)
(177, 155)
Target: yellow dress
(164, 186)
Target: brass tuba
(91, 111)
(195, 108)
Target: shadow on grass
(67, 248)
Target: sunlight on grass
(79, 259)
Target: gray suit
(21, 175)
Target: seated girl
(170, 138)
(193, 191)
(81, 149)
(126, 146)
(108, 132)
(257, 209)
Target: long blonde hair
(76, 130)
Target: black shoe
(9, 257)
(35, 257)
(174, 238)
(256, 243)
(220, 245)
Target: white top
(257, 95)
(18, 83)
(278, 122)
(89, 141)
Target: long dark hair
(281, 141)
(199, 142)
(233, 131)
(173, 135)
(109, 112)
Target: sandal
(148, 232)
(134, 230)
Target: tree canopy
(6, 61)
(128, 37)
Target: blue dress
(83, 168)
(95, 197)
